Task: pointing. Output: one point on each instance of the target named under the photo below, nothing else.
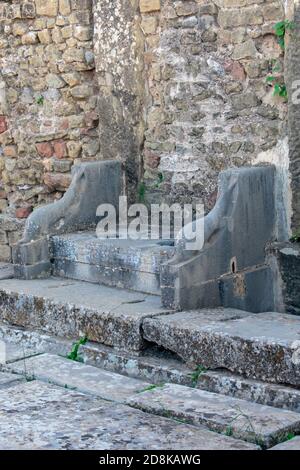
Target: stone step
(71, 309)
(241, 419)
(290, 444)
(262, 346)
(264, 393)
(128, 264)
(75, 375)
(67, 419)
(157, 367)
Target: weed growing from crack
(74, 354)
(195, 375)
(150, 387)
(296, 237)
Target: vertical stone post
(119, 48)
(293, 75)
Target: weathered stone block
(186, 8)
(245, 50)
(46, 7)
(219, 412)
(5, 253)
(64, 7)
(262, 346)
(106, 315)
(232, 18)
(31, 253)
(40, 270)
(146, 6)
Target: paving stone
(77, 421)
(239, 418)
(292, 444)
(261, 346)
(85, 378)
(160, 369)
(71, 309)
(157, 367)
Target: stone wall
(48, 97)
(175, 89)
(211, 108)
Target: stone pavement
(50, 402)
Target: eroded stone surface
(240, 418)
(11, 352)
(70, 309)
(156, 367)
(77, 421)
(292, 444)
(82, 377)
(264, 346)
(7, 379)
(257, 391)
(130, 264)
(6, 271)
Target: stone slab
(70, 309)
(255, 423)
(156, 367)
(261, 346)
(77, 421)
(137, 255)
(123, 263)
(109, 276)
(85, 378)
(292, 444)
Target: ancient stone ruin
(164, 102)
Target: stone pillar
(293, 75)
(119, 48)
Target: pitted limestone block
(263, 346)
(236, 233)
(40, 270)
(84, 378)
(72, 309)
(32, 252)
(237, 386)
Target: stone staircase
(208, 420)
(229, 370)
